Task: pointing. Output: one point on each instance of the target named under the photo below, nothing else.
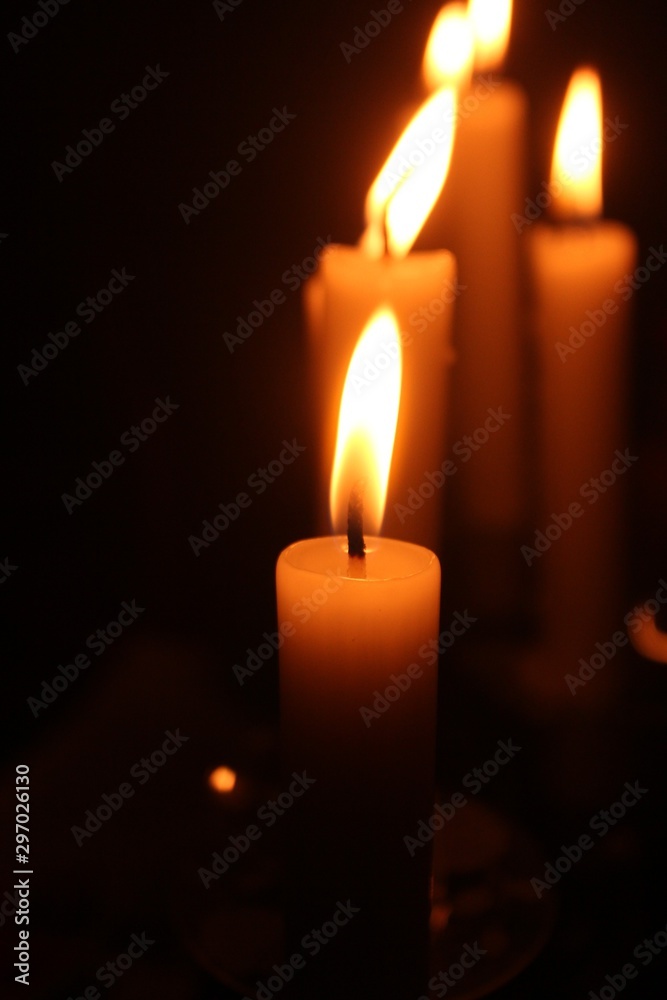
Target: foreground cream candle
(421, 290)
(358, 712)
(581, 328)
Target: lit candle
(358, 710)
(485, 187)
(421, 290)
(581, 320)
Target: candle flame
(576, 170)
(402, 195)
(222, 779)
(448, 57)
(367, 423)
(650, 642)
(491, 22)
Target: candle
(484, 188)
(358, 711)
(421, 289)
(581, 327)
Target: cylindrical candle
(484, 189)
(421, 290)
(581, 331)
(581, 328)
(358, 713)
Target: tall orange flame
(491, 24)
(367, 422)
(448, 57)
(576, 169)
(402, 195)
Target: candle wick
(356, 546)
(385, 233)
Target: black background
(163, 337)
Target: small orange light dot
(222, 779)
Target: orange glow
(402, 195)
(449, 51)
(222, 779)
(576, 169)
(491, 22)
(440, 914)
(650, 642)
(367, 422)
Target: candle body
(581, 330)
(373, 769)
(339, 301)
(488, 496)
(485, 188)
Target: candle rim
(425, 559)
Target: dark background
(163, 337)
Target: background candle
(421, 289)
(581, 328)
(486, 185)
(358, 712)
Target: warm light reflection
(367, 423)
(402, 195)
(222, 779)
(491, 22)
(449, 53)
(576, 170)
(651, 642)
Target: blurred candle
(421, 290)
(581, 329)
(485, 187)
(358, 712)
